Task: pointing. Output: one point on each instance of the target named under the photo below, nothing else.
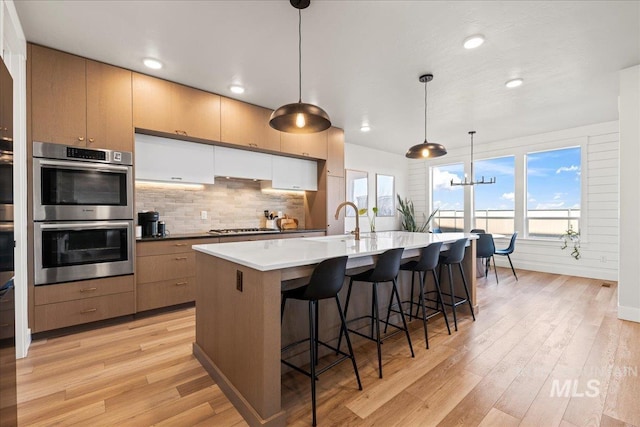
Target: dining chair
(485, 249)
(508, 251)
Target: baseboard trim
(241, 404)
(569, 270)
(629, 313)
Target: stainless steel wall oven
(83, 213)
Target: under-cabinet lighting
(168, 185)
(280, 191)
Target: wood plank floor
(546, 351)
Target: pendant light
(426, 150)
(300, 117)
(472, 182)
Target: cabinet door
(246, 124)
(109, 109)
(335, 152)
(309, 145)
(169, 160)
(294, 174)
(195, 113)
(58, 97)
(242, 164)
(152, 103)
(335, 196)
(6, 108)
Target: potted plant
(372, 219)
(571, 237)
(409, 222)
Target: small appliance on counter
(149, 223)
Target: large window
(553, 192)
(494, 203)
(449, 199)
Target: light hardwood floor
(547, 351)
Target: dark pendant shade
(300, 117)
(426, 150)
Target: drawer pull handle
(181, 283)
(180, 244)
(89, 310)
(88, 290)
(4, 325)
(181, 258)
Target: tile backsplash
(228, 203)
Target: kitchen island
(238, 285)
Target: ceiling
(361, 59)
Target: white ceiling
(361, 59)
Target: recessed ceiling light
(473, 42)
(154, 64)
(236, 89)
(365, 128)
(514, 83)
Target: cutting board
(288, 224)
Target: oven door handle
(84, 225)
(77, 165)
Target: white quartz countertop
(266, 255)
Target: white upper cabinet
(242, 164)
(294, 174)
(170, 160)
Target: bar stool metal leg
(377, 322)
(441, 301)
(404, 321)
(453, 297)
(466, 291)
(312, 358)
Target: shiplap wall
(599, 210)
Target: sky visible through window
(553, 182)
(553, 179)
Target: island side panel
(239, 332)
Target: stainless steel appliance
(83, 213)
(71, 183)
(6, 179)
(66, 251)
(8, 395)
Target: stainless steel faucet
(355, 208)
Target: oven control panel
(83, 153)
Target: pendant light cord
(299, 55)
(425, 111)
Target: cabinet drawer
(48, 294)
(69, 313)
(165, 293)
(7, 324)
(165, 267)
(166, 247)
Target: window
(553, 191)
(449, 199)
(494, 203)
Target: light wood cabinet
(74, 303)
(335, 152)
(312, 145)
(335, 196)
(76, 101)
(163, 106)
(165, 272)
(6, 107)
(247, 125)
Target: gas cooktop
(243, 231)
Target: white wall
(599, 206)
(629, 265)
(14, 54)
(373, 161)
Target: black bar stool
(325, 282)
(385, 270)
(455, 255)
(428, 261)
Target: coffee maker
(149, 223)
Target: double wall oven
(83, 213)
